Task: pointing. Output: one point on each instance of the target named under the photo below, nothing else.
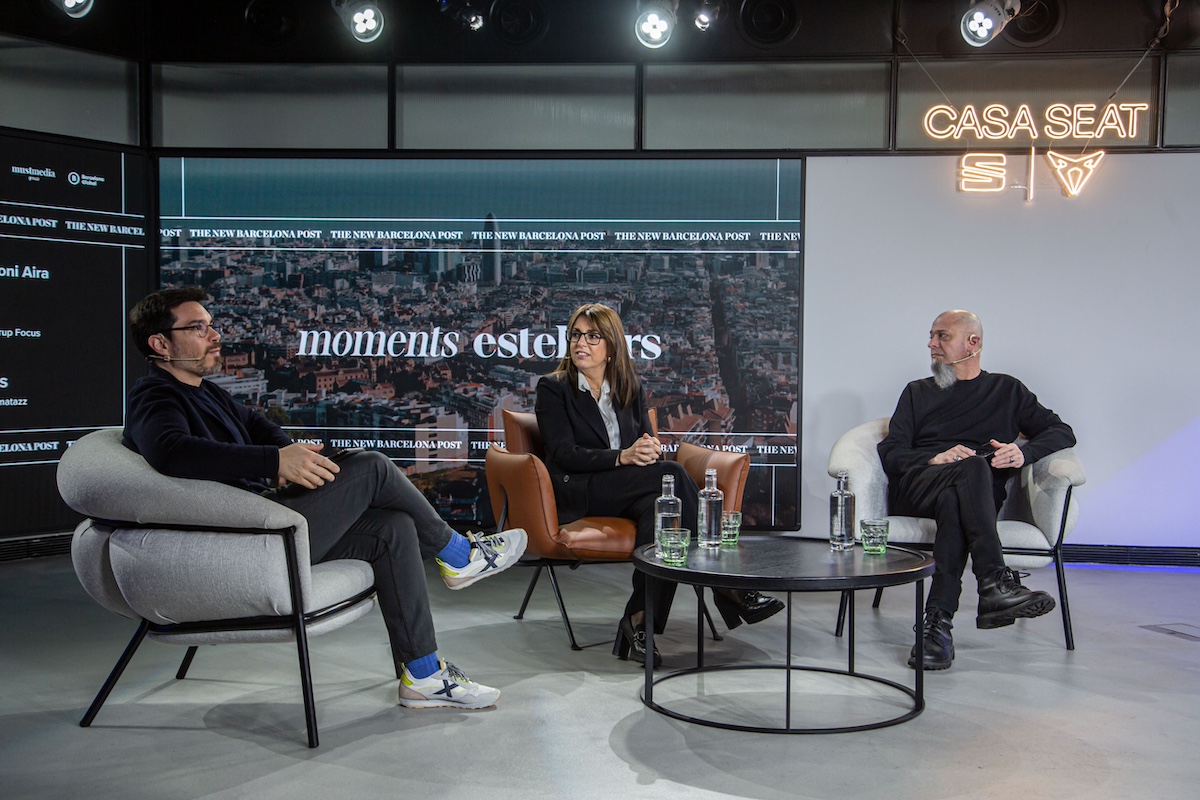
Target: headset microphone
(169, 359)
(965, 358)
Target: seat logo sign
(982, 172)
(988, 172)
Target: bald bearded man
(951, 448)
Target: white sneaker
(490, 554)
(446, 688)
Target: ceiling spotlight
(984, 20)
(462, 12)
(707, 12)
(75, 9)
(655, 22)
(364, 19)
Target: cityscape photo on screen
(402, 304)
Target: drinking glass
(874, 535)
(731, 526)
(674, 546)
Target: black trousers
(629, 492)
(372, 512)
(962, 498)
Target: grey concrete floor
(1018, 716)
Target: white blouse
(606, 411)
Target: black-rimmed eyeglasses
(200, 330)
(592, 337)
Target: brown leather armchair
(522, 496)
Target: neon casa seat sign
(996, 122)
(1059, 121)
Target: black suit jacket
(576, 440)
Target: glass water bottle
(668, 511)
(841, 515)
(712, 501)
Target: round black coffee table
(787, 563)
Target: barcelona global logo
(1074, 171)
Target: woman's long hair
(619, 371)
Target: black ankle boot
(937, 642)
(749, 606)
(1002, 599)
(631, 643)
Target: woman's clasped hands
(643, 452)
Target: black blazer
(201, 432)
(576, 440)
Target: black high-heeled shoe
(631, 643)
(750, 606)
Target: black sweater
(929, 420)
(201, 432)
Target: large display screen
(401, 305)
(72, 252)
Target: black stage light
(462, 12)
(706, 13)
(655, 22)
(362, 18)
(75, 9)
(985, 19)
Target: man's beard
(203, 370)
(943, 374)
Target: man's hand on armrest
(302, 464)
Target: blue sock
(424, 666)
(458, 552)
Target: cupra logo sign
(1073, 171)
(996, 122)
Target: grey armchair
(198, 562)
(1037, 515)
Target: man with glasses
(362, 507)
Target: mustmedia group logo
(33, 173)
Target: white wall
(1092, 302)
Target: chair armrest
(101, 478)
(1042, 490)
(1059, 466)
(732, 470)
(520, 484)
(855, 453)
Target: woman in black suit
(604, 460)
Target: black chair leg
(115, 675)
(1068, 634)
(187, 663)
(562, 608)
(537, 573)
(291, 551)
(306, 687)
(841, 619)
